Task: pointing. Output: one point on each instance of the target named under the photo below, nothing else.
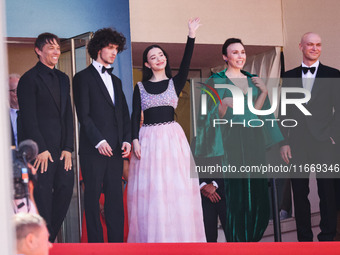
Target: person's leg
(327, 204)
(286, 202)
(302, 209)
(300, 187)
(222, 213)
(324, 154)
(43, 195)
(62, 194)
(113, 207)
(210, 219)
(93, 169)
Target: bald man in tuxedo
(314, 139)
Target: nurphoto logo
(238, 104)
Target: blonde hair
(26, 223)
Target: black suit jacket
(325, 97)
(41, 119)
(99, 118)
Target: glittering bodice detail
(166, 98)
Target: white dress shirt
(107, 79)
(14, 117)
(309, 78)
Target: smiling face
(236, 56)
(107, 55)
(156, 60)
(50, 53)
(310, 46)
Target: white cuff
(215, 184)
(127, 143)
(203, 184)
(102, 141)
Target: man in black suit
(104, 135)
(46, 118)
(313, 140)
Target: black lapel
(63, 92)
(101, 84)
(299, 75)
(317, 83)
(114, 83)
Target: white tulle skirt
(164, 202)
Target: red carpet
(316, 248)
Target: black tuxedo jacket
(324, 106)
(50, 126)
(99, 118)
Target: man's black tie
(311, 69)
(108, 70)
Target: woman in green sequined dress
(240, 145)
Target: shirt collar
(45, 69)
(99, 66)
(316, 64)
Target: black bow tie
(305, 69)
(108, 70)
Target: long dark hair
(147, 72)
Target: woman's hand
(264, 92)
(260, 84)
(126, 148)
(228, 101)
(222, 108)
(136, 148)
(193, 24)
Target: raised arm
(181, 77)
(193, 25)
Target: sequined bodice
(167, 98)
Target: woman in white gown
(164, 203)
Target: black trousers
(211, 212)
(307, 150)
(103, 173)
(52, 193)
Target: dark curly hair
(147, 72)
(102, 38)
(228, 42)
(44, 39)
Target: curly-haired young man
(104, 134)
